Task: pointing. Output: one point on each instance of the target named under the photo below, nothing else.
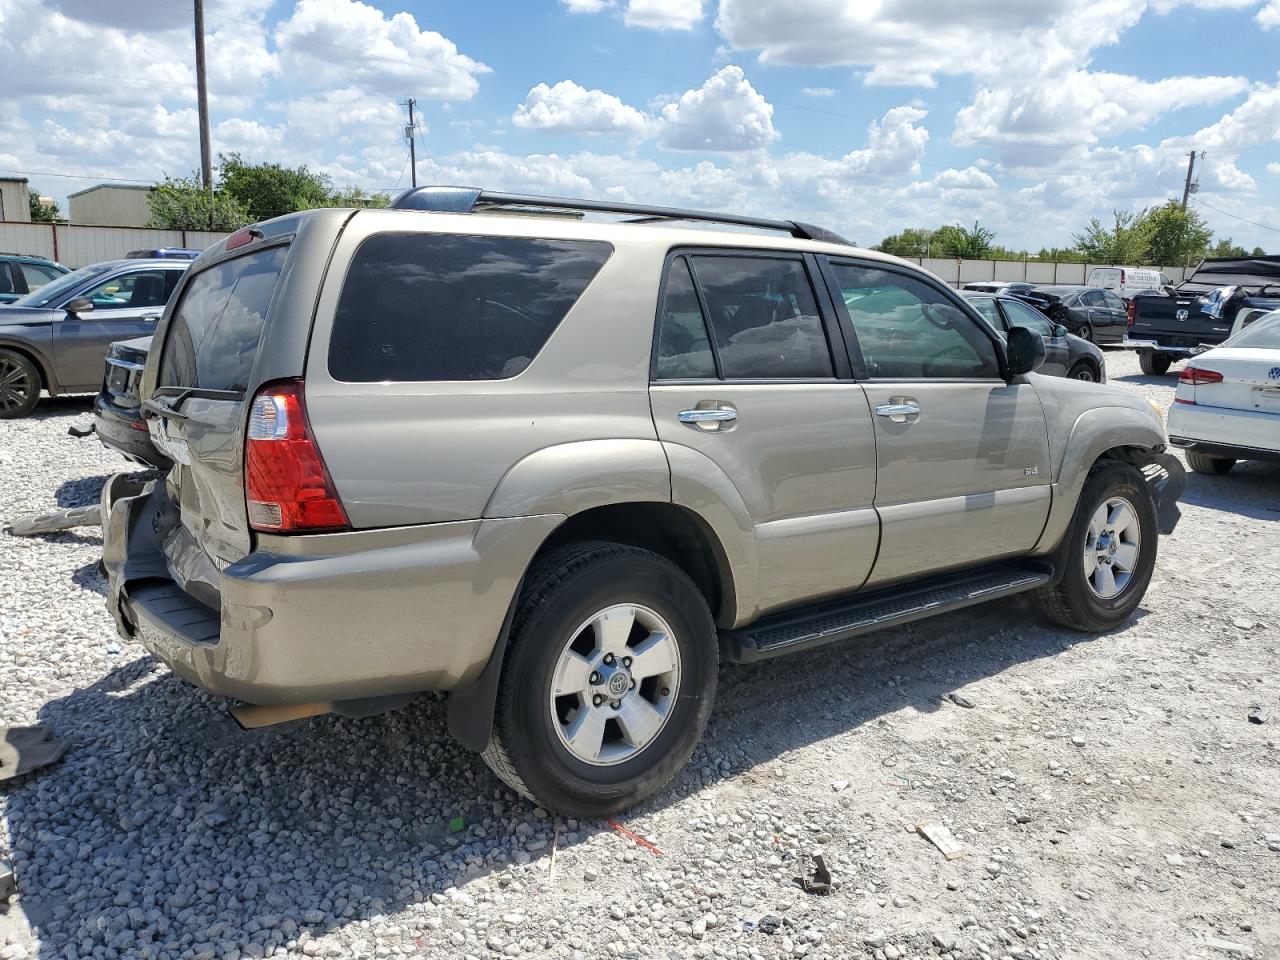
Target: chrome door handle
(718, 414)
(899, 410)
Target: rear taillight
(287, 487)
(1197, 376)
(1131, 312)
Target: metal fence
(78, 246)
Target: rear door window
(424, 306)
(684, 349)
(1021, 315)
(218, 323)
(764, 318)
(987, 307)
(37, 275)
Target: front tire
(1154, 364)
(19, 385)
(1083, 371)
(1110, 553)
(1203, 463)
(608, 680)
(1085, 332)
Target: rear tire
(19, 385)
(544, 743)
(1085, 332)
(1203, 463)
(1154, 364)
(1086, 597)
(1083, 371)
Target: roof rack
(473, 200)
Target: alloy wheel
(615, 684)
(1111, 548)
(16, 385)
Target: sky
(865, 116)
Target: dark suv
(20, 273)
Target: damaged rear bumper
(323, 618)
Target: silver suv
(561, 467)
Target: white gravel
(1113, 798)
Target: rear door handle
(899, 409)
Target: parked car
(117, 408)
(1065, 355)
(1126, 282)
(1089, 312)
(55, 338)
(164, 253)
(1022, 291)
(563, 467)
(20, 273)
(1175, 326)
(1227, 406)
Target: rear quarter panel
(427, 452)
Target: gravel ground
(1112, 796)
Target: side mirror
(1059, 330)
(79, 305)
(1024, 350)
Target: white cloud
(1269, 15)
(725, 114)
(1081, 106)
(568, 108)
(347, 42)
(663, 14)
(1273, 169)
(1254, 122)
(818, 91)
(587, 6)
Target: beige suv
(561, 458)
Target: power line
(77, 176)
(1233, 216)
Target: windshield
(1262, 334)
(56, 289)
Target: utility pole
(410, 132)
(202, 99)
(1191, 166)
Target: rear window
(443, 307)
(218, 323)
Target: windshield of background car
(218, 323)
(56, 289)
(1262, 334)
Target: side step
(827, 622)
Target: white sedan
(1227, 407)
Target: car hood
(11, 315)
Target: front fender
(1122, 431)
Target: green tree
(355, 197)
(1175, 236)
(953, 240)
(181, 203)
(42, 212)
(1225, 248)
(267, 190)
(1258, 252)
(1126, 241)
(911, 242)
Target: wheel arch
(45, 369)
(1098, 436)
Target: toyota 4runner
(562, 466)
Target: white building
(110, 205)
(14, 205)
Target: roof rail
(473, 199)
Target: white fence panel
(975, 270)
(33, 238)
(1007, 271)
(1041, 271)
(78, 246)
(199, 239)
(1070, 273)
(948, 270)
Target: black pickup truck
(1168, 327)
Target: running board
(827, 622)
